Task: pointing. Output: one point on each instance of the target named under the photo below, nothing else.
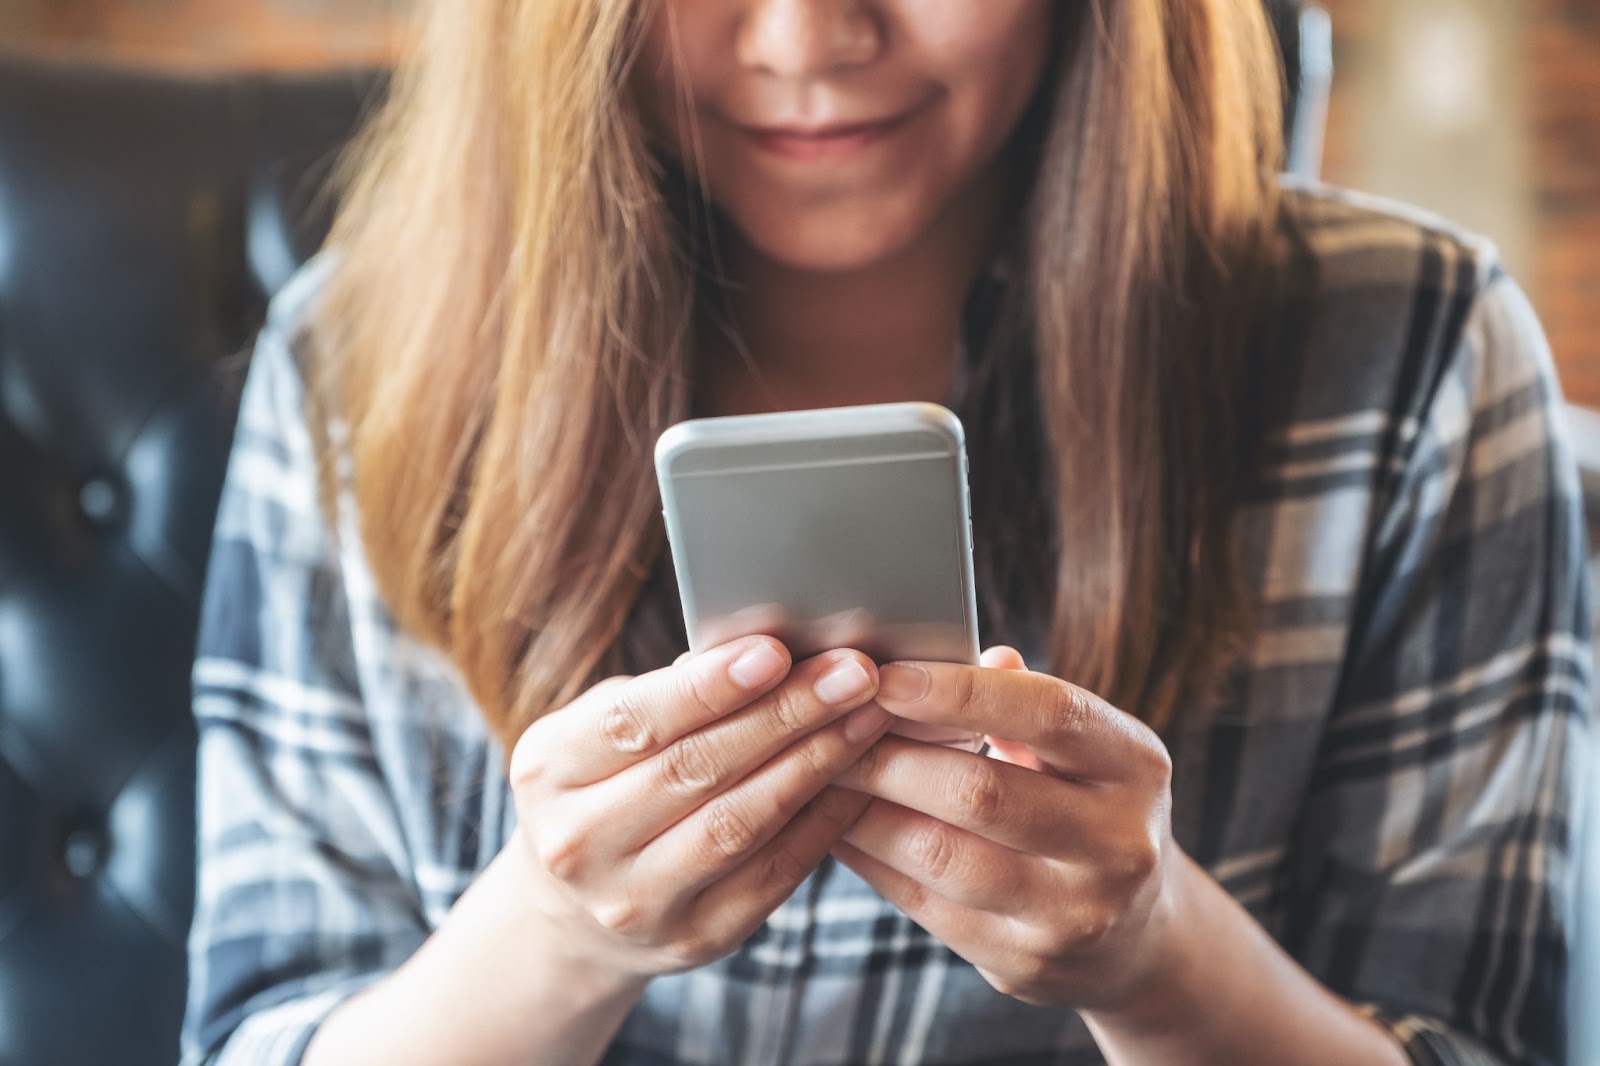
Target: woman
(1268, 485)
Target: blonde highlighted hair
(510, 324)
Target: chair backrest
(144, 222)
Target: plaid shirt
(1389, 792)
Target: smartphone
(848, 527)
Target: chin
(841, 245)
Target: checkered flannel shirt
(1391, 793)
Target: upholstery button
(97, 499)
(84, 851)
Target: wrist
(1221, 990)
(1165, 996)
(555, 930)
(497, 981)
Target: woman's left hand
(1051, 868)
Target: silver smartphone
(848, 527)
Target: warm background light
(1488, 112)
(1484, 110)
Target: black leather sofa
(145, 221)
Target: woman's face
(835, 132)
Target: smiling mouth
(824, 143)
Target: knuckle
(729, 833)
(967, 693)
(700, 690)
(1035, 972)
(828, 754)
(696, 949)
(933, 850)
(1089, 926)
(622, 916)
(785, 866)
(817, 755)
(527, 768)
(1069, 937)
(870, 764)
(1157, 759)
(1095, 927)
(687, 768)
(838, 809)
(1070, 710)
(917, 896)
(788, 710)
(979, 793)
(1052, 941)
(562, 853)
(1137, 861)
(1030, 977)
(626, 724)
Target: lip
(833, 143)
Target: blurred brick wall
(206, 33)
(1564, 61)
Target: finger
(723, 833)
(1022, 954)
(611, 728)
(638, 803)
(1072, 730)
(732, 908)
(1010, 805)
(959, 865)
(982, 938)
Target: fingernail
(861, 723)
(757, 666)
(843, 683)
(903, 682)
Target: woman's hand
(1049, 868)
(664, 817)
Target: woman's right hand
(663, 817)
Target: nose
(806, 38)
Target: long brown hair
(510, 325)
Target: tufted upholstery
(144, 223)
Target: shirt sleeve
(1434, 877)
(302, 896)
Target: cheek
(969, 34)
(994, 68)
(677, 52)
